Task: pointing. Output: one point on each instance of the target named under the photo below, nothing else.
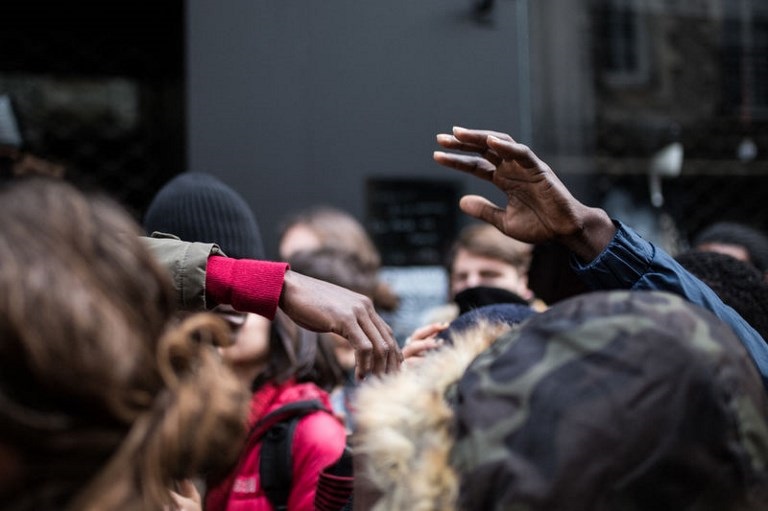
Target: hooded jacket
(609, 401)
(630, 262)
(318, 442)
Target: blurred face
(250, 352)
(471, 270)
(735, 251)
(298, 238)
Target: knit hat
(199, 207)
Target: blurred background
(654, 109)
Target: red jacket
(318, 442)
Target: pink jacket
(318, 441)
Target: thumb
(483, 209)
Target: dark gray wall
(295, 102)
(563, 95)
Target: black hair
(737, 283)
(754, 241)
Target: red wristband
(248, 285)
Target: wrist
(247, 285)
(289, 279)
(593, 231)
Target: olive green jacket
(187, 263)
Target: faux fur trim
(405, 428)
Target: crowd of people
(170, 366)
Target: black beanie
(199, 207)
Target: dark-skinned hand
(324, 307)
(539, 207)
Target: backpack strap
(276, 462)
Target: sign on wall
(412, 221)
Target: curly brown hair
(105, 398)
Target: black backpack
(276, 463)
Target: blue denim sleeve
(630, 262)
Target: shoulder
(321, 428)
(319, 440)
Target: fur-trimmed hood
(406, 428)
(611, 401)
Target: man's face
(471, 270)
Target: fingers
(386, 354)
(416, 350)
(478, 137)
(427, 331)
(451, 142)
(469, 138)
(472, 144)
(380, 349)
(395, 357)
(418, 347)
(376, 349)
(475, 165)
(363, 350)
(422, 340)
(492, 146)
(483, 209)
(511, 150)
(482, 142)
(323, 307)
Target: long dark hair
(297, 353)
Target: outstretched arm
(258, 286)
(203, 278)
(539, 207)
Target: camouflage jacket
(610, 401)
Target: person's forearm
(203, 278)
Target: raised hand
(539, 207)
